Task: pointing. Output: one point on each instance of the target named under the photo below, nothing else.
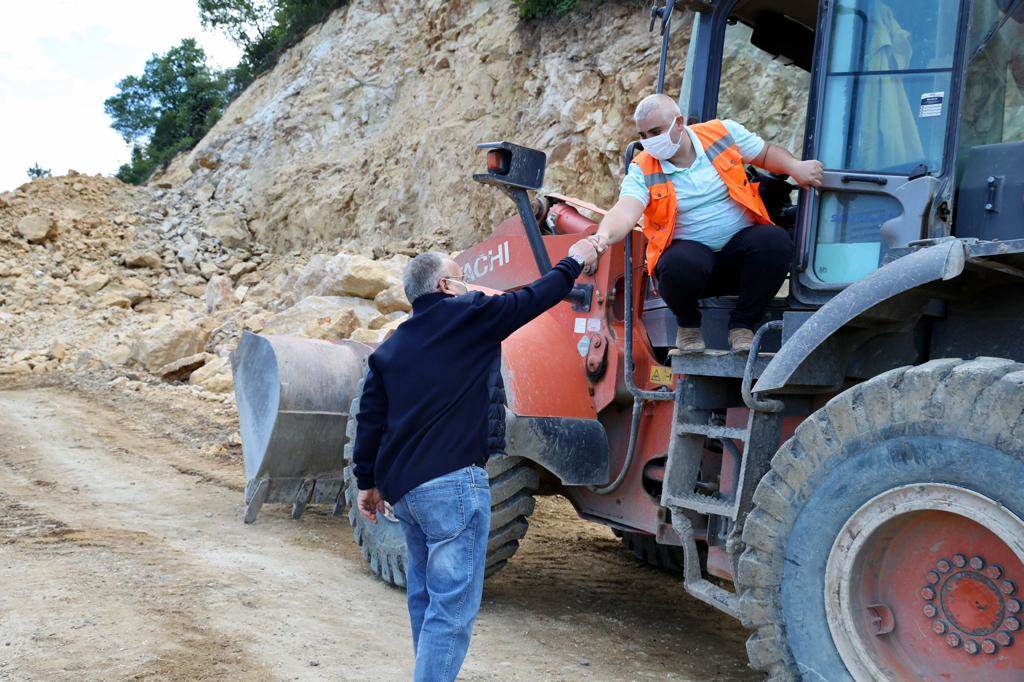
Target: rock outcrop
(363, 137)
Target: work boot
(688, 340)
(740, 340)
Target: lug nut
(1007, 586)
(939, 627)
(1011, 624)
(1013, 606)
(953, 640)
(971, 647)
(995, 571)
(930, 610)
(927, 593)
(944, 565)
(959, 560)
(989, 646)
(977, 563)
(932, 577)
(1003, 638)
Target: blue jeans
(446, 522)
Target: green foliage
(37, 171)
(538, 9)
(167, 109)
(264, 29)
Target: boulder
(227, 229)
(370, 336)
(143, 259)
(214, 376)
(208, 269)
(365, 278)
(36, 228)
(171, 340)
(392, 299)
(219, 292)
(93, 283)
(323, 317)
(182, 368)
(113, 299)
(239, 269)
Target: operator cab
(905, 102)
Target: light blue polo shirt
(706, 212)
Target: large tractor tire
(647, 549)
(886, 542)
(513, 484)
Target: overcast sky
(59, 59)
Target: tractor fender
(943, 261)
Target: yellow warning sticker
(661, 375)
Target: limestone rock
(208, 269)
(239, 269)
(93, 283)
(323, 317)
(219, 292)
(365, 278)
(113, 299)
(392, 299)
(214, 376)
(143, 259)
(369, 336)
(172, 340)
(227, 229)
(36, 228)
(182, 368)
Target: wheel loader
(852, 489)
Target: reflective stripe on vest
(662, 207)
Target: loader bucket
(293, 396)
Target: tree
(36, 172)
(537, 9)
(264, 29)
(246, 22)
(167, 109)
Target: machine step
(718, 363)
(704, 504)
(712, 431)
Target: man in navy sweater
(431, 413)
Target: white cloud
(60, 59)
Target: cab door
(883, 104)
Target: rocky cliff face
(363, 136)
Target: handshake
(589, 250)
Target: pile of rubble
(96, 274)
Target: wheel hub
(922, 582)
(971, 604)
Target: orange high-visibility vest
(660, 214)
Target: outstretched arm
(618, 222)
(775, 159)
(503, 314)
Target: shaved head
(659, 106)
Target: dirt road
(123, 556)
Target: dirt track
(123, 555)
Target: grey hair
(652, 103)
(421, 274)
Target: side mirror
(511, 165)
(516, 170)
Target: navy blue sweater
(424, 407)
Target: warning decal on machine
(931, 104)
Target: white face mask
(661, 146)
(460, 283)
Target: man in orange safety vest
(708, 231)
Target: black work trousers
(753, 264)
